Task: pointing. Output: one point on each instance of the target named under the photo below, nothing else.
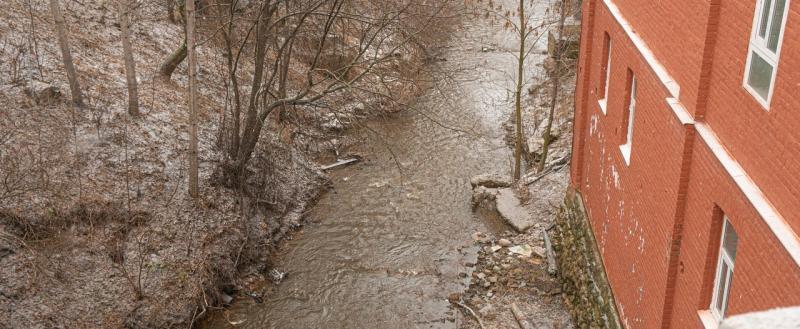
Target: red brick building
(687, 155)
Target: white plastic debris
(523, 249)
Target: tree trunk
(172, 62)
(66, 54)
(130, 65)
(252, 125)
(556, 81)
(190, 40)
(177, 57)
(518, 93)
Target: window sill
(708, 320)
(760, 100)
(602, 103)
(626, 153)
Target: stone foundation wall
(587, 292)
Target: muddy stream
(387, 245)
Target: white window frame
(758, 45)
(728, 260)
(604, 102)
(626, 148)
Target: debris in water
(236, 323)
(276, 276)
(226, 299)
(254, 296)
(379, 184)
(341, 162)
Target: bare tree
(190, 40)
(561, 46)
(299, 60)
(527, 30)
(126, 9)
(523, 34)
(66, 54)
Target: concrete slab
(512, 211)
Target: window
(628, 118)
(606, 71)
(722, 280)
(765, 42)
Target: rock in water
(483, 197)
(490, 181)
(504, 243)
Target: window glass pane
(776, 25)
(608, 67)
(722, 283)
(762, 28)
(730, 240)
(727, 292)
(760, 75)
(631, 111)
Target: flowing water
(389, 243)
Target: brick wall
(631, 219)
(656, 220)
(766, 143)
(764, 275)
(677, 26)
